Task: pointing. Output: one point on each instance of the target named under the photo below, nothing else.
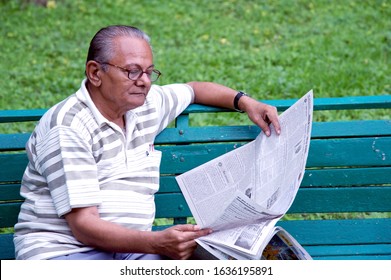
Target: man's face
(118, 91)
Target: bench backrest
(348, 168)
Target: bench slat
(13, 142)
(247, 133)
(236, 133)
(9, 192)
(351, 252)
(327, 103)
(319, 200)
(12, 167)
(312, 179)
(178, 159)
(318, 178)
(7, 249)
(340, 232)
(347, 199)
(7, 116)
(9, 214)
(346, 177)
(350, 152)
(323, 153)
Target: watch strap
(236, 100)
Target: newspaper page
(281, 246)
(242, 194)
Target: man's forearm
(221, 96)
(213, 94)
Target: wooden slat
(323, 153)
(179, 159)
(10, 192)
(328, 103)
(7, 249)
(171, 205)
(373, 257)
(308, 200)
(373, 151)
(352, 102)
(340, 232)
(9, 214)
(340, 177)
(13, 142)
(7, 116)
(351, 252)
(207, 134)
(354, 129)
(319, 178)
(347, 199)
(12, 167)
(248, 133)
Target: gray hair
(101, 46)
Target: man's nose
(144, 79)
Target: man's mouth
(139, 93)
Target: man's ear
(93, 72)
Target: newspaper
(242, 194)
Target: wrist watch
(236, 100)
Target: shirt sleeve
(171, 101)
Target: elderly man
(90, 183)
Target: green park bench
(342, 209)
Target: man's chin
(138, 100)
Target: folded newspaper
(242, 194)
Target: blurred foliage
(271, 49)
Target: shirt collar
(83, 95)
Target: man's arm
(221, 96)
(176, 242)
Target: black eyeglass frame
(141, 72)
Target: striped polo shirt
(77, 158)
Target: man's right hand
(178, 242)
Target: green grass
(271, 49)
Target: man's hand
(178, 242)
(261, 114)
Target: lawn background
(270, 49)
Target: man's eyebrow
(138, 65)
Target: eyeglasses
(136, 73)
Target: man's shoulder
(65, 113)
(171, 88)
(181, 93)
